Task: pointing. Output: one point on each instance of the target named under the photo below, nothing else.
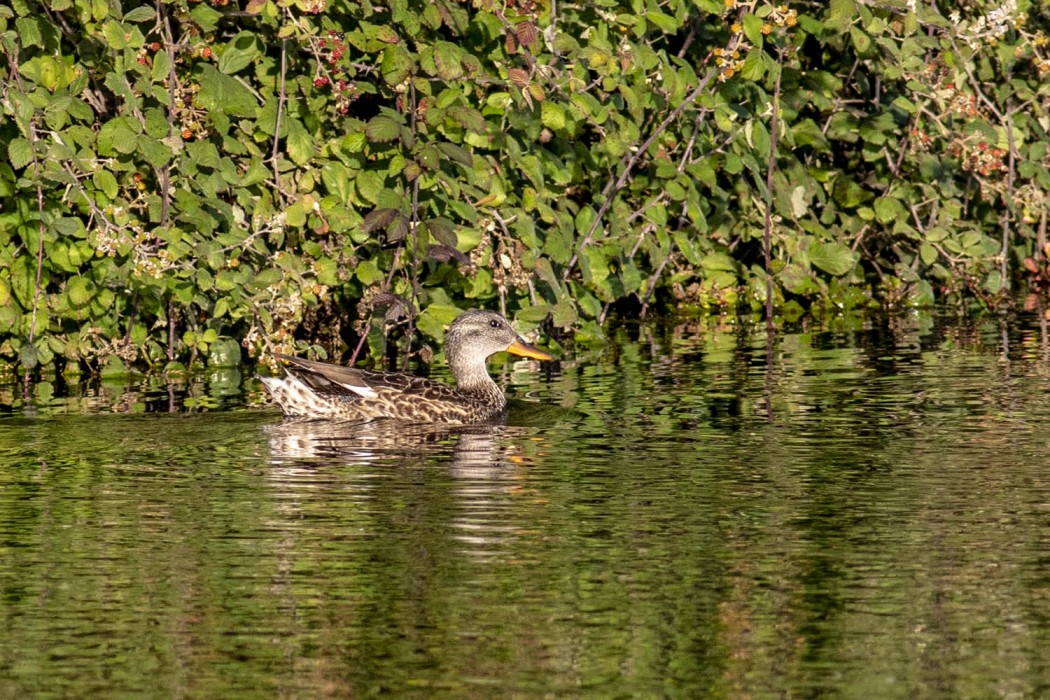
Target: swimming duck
(321, 390)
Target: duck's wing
(337, 381)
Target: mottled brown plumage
(321, 390)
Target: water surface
(855, 511)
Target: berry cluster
(333, 49)
(985, 160)
(143, 57)
(191, 118)
(729, 61)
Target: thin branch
(1007, 215)
(767, 231)
(614, 186)
(281, 99)
(386, 287)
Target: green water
(863, 513)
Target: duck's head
(475, 335)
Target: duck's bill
(520, 347)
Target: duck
(321, 390)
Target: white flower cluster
(986, 28)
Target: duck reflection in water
(381, 465)
(474, 451)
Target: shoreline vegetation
(218, 181)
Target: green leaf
(752, 24)
(382, 128)
(834, 258)
(206, 17)
(842, 13)
(115, 34)
(299, 143)
(861, 40)
(81, 291)
(443, 231)
(266, 278)
(888, 209)
(449, 60)
(396, 65)
(240, 52)
(225, 94)
(456, 153)
(928, 253)
(19, 153)
(469, 118)
(552, 115)
(29, 33)
(105, 181)
(140, 14)
(378, 219)
(118, 135)
(156, 153)
(665, 23)
(535, 314)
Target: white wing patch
(363, 391)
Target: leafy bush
(184, 178)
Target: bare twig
(281, 99)
(615, 185)
(386, 287)
(1006, 217)
(767, 231)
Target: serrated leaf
(80, 290)
(842, 12)
(140, 14)
(240, 52)
(161, 67)
(19, 153)
(29, 34)
(105, 181)
(299, 143)
(378, 219)
(861, 40)
(662, 21)
(834, 258)
(535, 314)
(397, 229)
(469, 118)
(443, 253)
(206, 17)
(267, 277)
(225, 94)
(752, 25)
(552, 115)
(448, 59)
(396, 64)
(28, 356)
(518, 76)
(115, 35)
(456, 153)
(443, 231)
(525, 33)
(382, 128)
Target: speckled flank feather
(321, 390)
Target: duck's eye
(494, 323)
